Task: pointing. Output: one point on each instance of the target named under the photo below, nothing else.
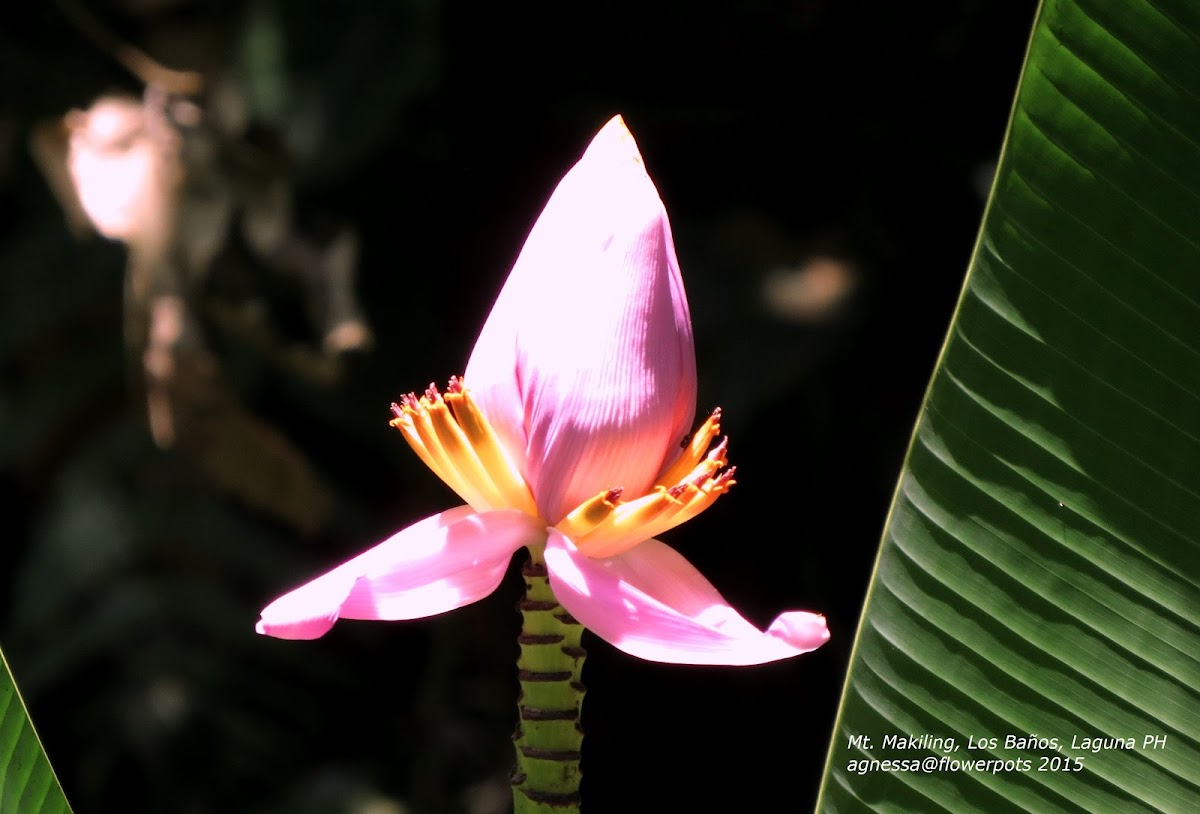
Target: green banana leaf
(27, 783)
(1038, 582)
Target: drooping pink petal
(651, 603)
(441, 563)
(586, 366)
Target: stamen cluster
(452, 436)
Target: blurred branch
(134, 60)
(245, 325)
(239, 453)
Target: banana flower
(568, 434)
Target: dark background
(779, 134)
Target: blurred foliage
(133, 574)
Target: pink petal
(586, 366)
(651, 603)
(441, 563)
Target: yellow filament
(404, 423)
(693, 453)
(462, 457)
(407, 424)
(444, 464)
(452, 437)
(631, 516)
(482, 439)
(699, 500)
(587, 515)
(639, 520)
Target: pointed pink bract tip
(615, 142)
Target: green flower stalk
(549, 736)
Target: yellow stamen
(694, 451)
(638, 520)
(404, 422)
(486, 446)
(443, 462)
(459, 452)
(453, 438)
(589, 514)
(420, 432)
(703, 497)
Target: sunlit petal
(651, 603)
(586, 366)
(441, 563)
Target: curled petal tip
(308, 612)
(800, 629)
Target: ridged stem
(548, 738)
